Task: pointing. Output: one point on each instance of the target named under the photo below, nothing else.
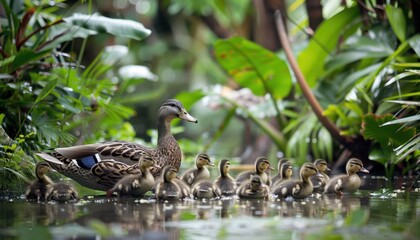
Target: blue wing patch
(88, 162)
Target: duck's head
(41, 169)
(262, 164)
(62, 192)
(321, 165)
(281, 162)
(203, 160)
(173, 108)
(307, 170)
(147, 161)
(224, 167)
(286, 170)
(169, 173)
(354, 165)
(255, 183)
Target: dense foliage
(361, 63)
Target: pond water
(367, 214)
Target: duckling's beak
(328, 169)
(186, 116)
(364, 170)
(211, 164)
(271, 168)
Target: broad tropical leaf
(387, 135)
(254, 67)
(311, 60)
(117, 27)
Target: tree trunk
(314, 10)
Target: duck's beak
(211, 164)
(364, 170)
(187, 117)
(328, 169)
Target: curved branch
(307, 93)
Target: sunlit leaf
(415, 43)
(112, 54)
(137, 72)
(254, 67)
(405, 120)
(311, 60)
(117, 27)
(397, 20)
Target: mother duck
(99, 166)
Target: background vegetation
(80, 72)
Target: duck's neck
(224, 174)
(164, 129)
(306, 179)
(350, 172)
(144, 169)
(44, 179)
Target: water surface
(367, 215)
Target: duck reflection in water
(254, 207)
(344, 204)
(309, 208)
(50, 214)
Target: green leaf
(254, 67)
(26, 56)
(397, 20)
(46, 90)
(389, 136)
(311, 60)
(65, 32)
(415, 43)
(403, 120)
(359, 48)
(7, 61)
(116, 27)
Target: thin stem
(306, 91)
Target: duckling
(279, 175)
(62, 192)
(200, 172)
(261, 166)
(167, 189)
(204, 189)
(253, 188)
(37, 190)
(297, 189)
(286, 172)
(136, 185)
(185, 188)
(225, 184)
(347, 183)
(321, 179)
